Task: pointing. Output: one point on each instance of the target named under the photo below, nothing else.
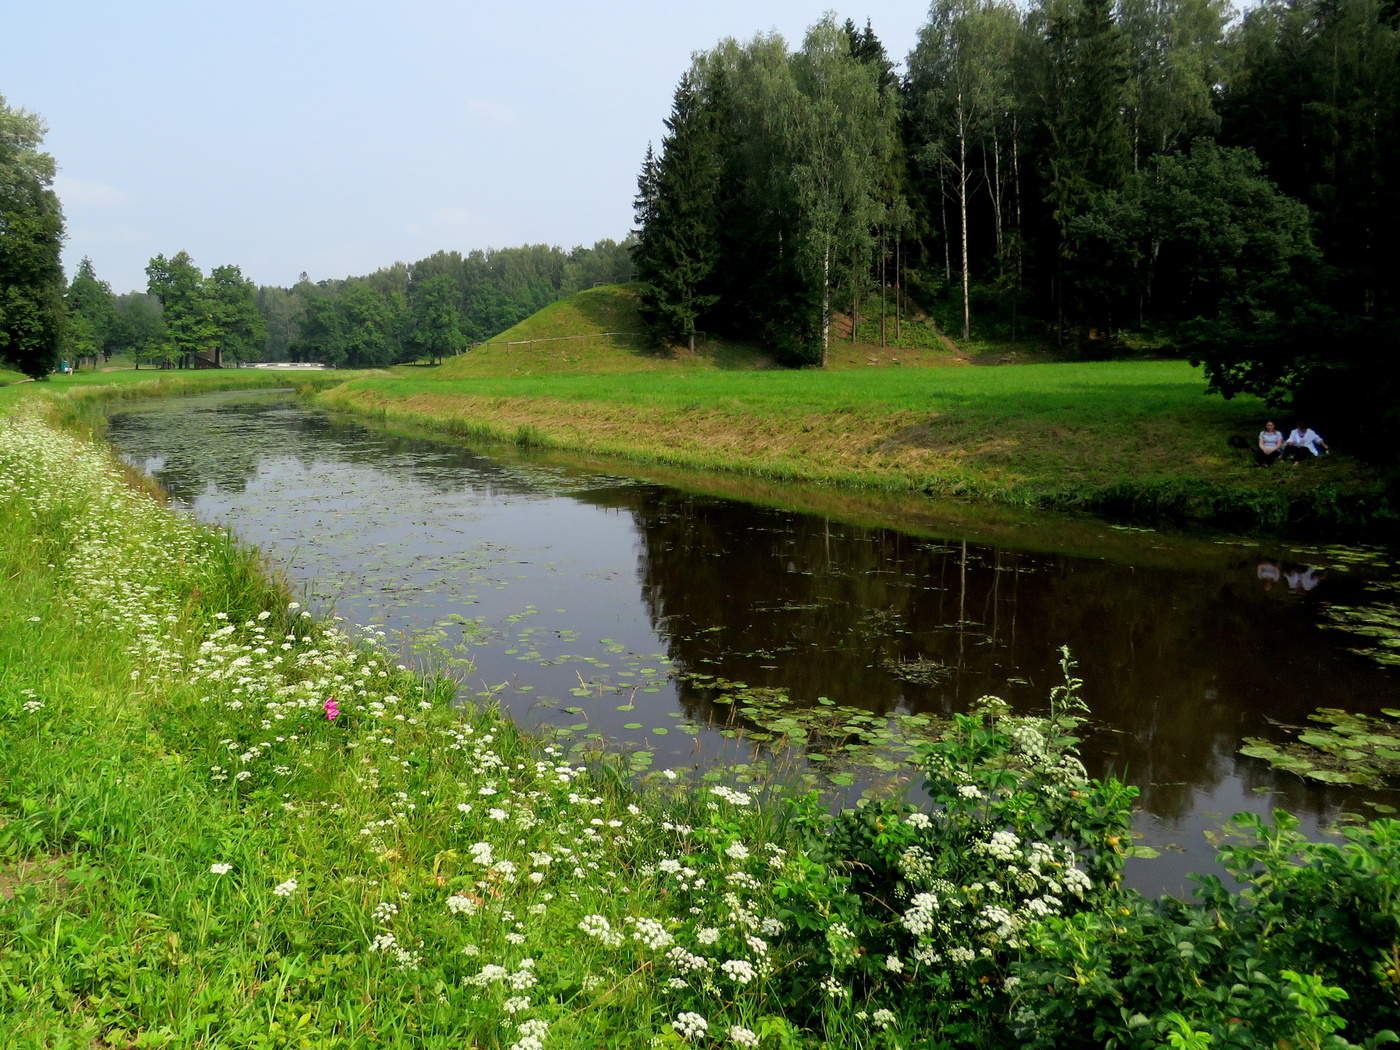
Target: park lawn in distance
(1141, 434)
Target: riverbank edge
(153, 897)
(112, 833)
(1370, 512)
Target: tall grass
(223, 823)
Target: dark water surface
(692, 629)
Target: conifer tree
(91, 312)
(677, 249)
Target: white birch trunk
(962, 215)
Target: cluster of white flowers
(741, 1036)
(687, 961)
(740, 971)
(598, 927)
(918, 919)
(461, 904)
(690, 1025)
(732, 795)
(650, 933)
(1003, 845)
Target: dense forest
(405, 312)
(431, 308)
(1089, 169)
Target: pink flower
(332, 708)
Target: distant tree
(138, 328)
(31, 236)
(90, 305)
(189, 324)
(957, 78)
(1313, 87)
(1078, 68)
(435, 328)
(238, 328)
(366, 327)
(845, 142)
(1175, 61)
(606, 262)
(283, 311)
(318, 335)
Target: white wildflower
(690, 1025)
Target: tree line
(1087, 169)
(408, 311)
(431, 308)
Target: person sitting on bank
(1303, 443)
(1270, 445)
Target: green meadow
(225, 822)
(1135, 439)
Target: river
(689, 629)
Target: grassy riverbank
(224, 823)
(1137, 440)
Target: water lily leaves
(1343, 747)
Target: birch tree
(844, 142)
(957, 84)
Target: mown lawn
(1144, 433)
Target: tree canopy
(31, 235)
(1098, 165)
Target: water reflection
(607, 595)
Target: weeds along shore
(225, 822)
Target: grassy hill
(593, 331)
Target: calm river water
(690, 629)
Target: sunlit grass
(1142, 437)
(595, 331)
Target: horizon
(344, 142)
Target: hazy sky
(336, 138)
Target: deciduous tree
(31, 236)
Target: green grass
(7, 377)
(227, 824)
(597, 330)
(192, 853)
(1140, 439)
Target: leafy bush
(1305, 950)
(928, 911)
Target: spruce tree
(677, 249)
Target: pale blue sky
(339, 137)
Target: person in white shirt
(1302, 443)
(1270, 445)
